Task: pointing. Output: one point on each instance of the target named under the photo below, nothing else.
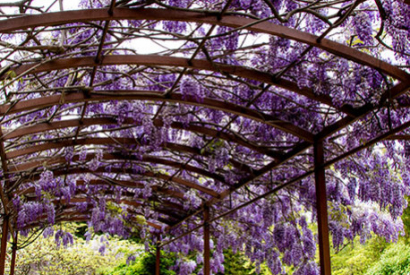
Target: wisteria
(65, 237)
(137, 116)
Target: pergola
(154, 105)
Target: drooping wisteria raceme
(133, 120)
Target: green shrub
(144, 265)
(394, 261)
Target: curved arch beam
(50, 126)
(168, 61)
(148, 174)
(170, 209)
(118, 156)
(158, 96)
(75, 216)
(127, 184)
(171, 213)
(58, 18)
(111, 141)
(128, 198)
(79, 217)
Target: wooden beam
(148, 174)
(120, 157)
(207, 250)
(44, 102)
(3, 249)
(321, 206)
(213, 18)
(191, 127)
(14, 254)
(291, 181)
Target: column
(321, 205)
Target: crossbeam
(213, 18)
(228, 107)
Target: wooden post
(13, 255)
(3, 250)
(207, 250)
(321, 205)
(158, 261)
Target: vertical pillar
(3, 250)
(321, 205)
(13, 255)
(207, 250)
(158, 261)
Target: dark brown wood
(123, 183)
(169, 214)
(144, 95)
(109, 141)
(395, 91)
(58, 18)
(367, 144)
(121, 158)
(157, 60)
(97, 61)
(387, 136)
(256, 174)
(14, 254)
(158, 261)
(93, 141)
(73, 214)
(148, 174)
(3, 195)
(321, 205)
(3, 250)
(399, 137)
(77, 217)
(294, 180)
(390, 94)
(207, 248)
(171, 209)
(5, 202)
(195, 128)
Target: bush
(394, 261)
(144, 265)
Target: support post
(3, 250)
(207, 250)
(321, 205)
(13, 255)
(158, 261)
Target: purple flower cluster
(363, 27)
(29, 212)
(185, 267)
(47, 181)
(95, 163)
(191, 200)
(65, 237)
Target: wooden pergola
(23, 157)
